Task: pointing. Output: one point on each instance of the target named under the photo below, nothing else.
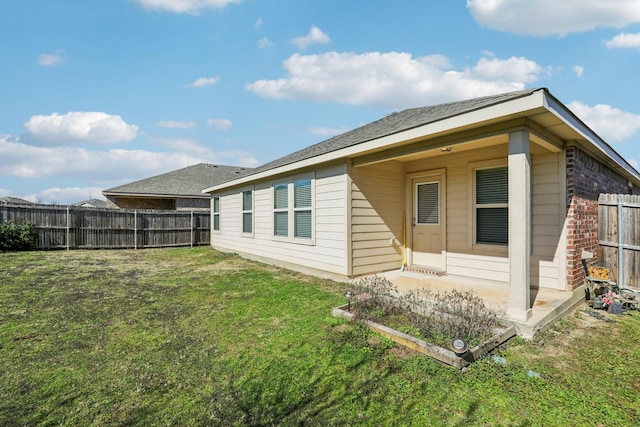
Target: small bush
(15, 237)
(375, 297)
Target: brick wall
(141, 203)
(587, 178)
(195, 204)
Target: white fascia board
(578, 126)
(157, 196)
(533, 101)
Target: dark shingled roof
(391, 124)
(189, 181)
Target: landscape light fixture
(459, 346)
(348, 295)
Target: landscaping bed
(452, 327)
(457, 359)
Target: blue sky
(98, 93)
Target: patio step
(424, 270)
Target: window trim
(215, 213)
(292, 210)
(494, 249)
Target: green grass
(197, 337)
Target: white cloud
(328, 132)
(394, 79)
(578, 69)
(105, 167)
(183, 145)
(610, 123)
(259, 24)
(205, 81)
(265, 42)
(220, 124)
(184, 6)
(315, 36)
(513, 69)
(65, 196)
(50, 59)
(79, 127)
(171, 124)
(547, 17)
(625, 40)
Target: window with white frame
(247, 211)
(216, 213)
(492, 206)
(293, 209)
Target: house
(500, 189)
(91, 203)
(177, 190)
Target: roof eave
(595, 141)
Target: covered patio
(547, 305)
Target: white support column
(519, 226)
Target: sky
(99, 93)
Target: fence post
(68, 225)
(135, 229)
(620, 244)
(191, 229)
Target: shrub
(375, 297)
(15, 237)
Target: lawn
(198, 337)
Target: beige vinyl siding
(462, 260)
(376, 217)
(547, 195)
(547, 218)
(326, 252)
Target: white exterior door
(428, 225)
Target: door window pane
(428, 203)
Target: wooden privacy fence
(71, 227)
(619, 236)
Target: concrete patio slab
(547, 305)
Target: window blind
(302, 193)
(428, 203)
(492, 206)
(492, 186)
(302, 220)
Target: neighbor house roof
(185, 182)
(411, 123)
(14, 201)
(91, 203)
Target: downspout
(404, 241)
